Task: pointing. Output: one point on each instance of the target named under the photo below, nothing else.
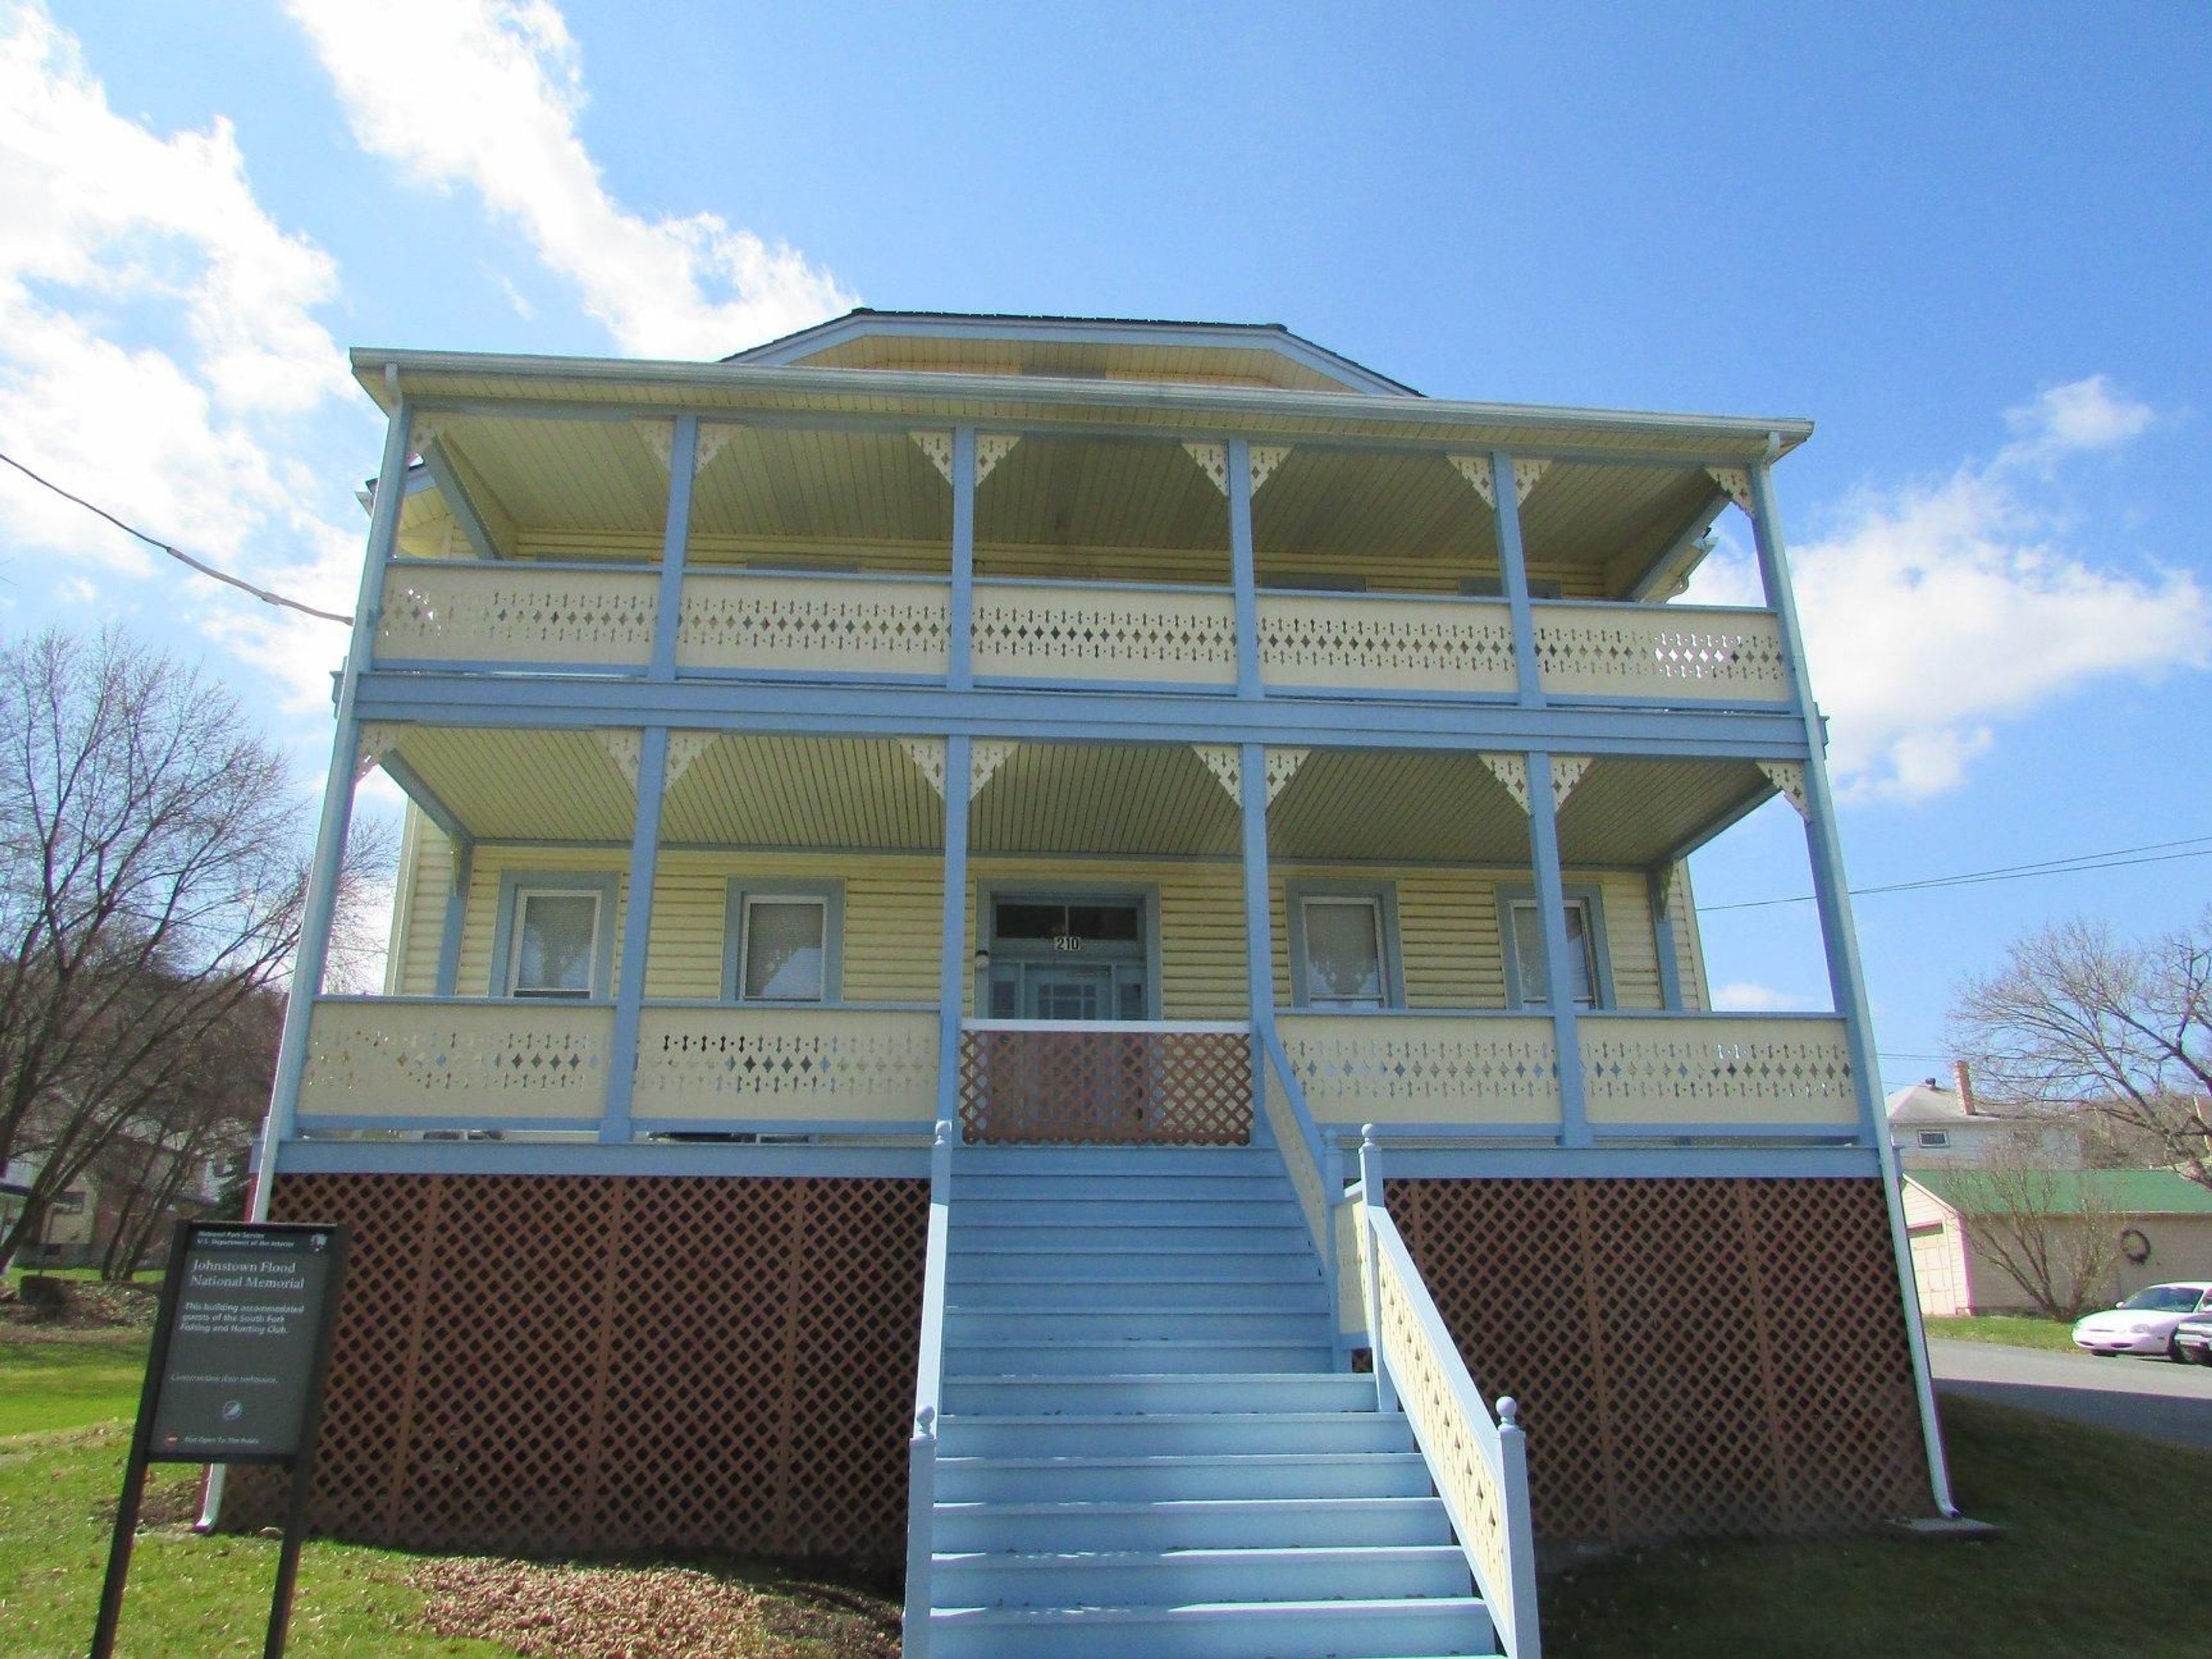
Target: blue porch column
(1513, 577)
(1832, 894)
(319, 905)
(1258, 931)
(960, 646)
(637, 929)
(675, 542)
(952, 943)
(457, 913)
(1558, 979)
(1244, 568)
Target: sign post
(240, 1348)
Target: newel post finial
(1509, 1414)
(944, 1131)
(925, 1424)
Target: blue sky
(1969, 245)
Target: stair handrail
(929, 1382)
(1478, 1463)
(1299, 1139)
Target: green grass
(188, 1595)
(2104, 1554)
(69, 1380)
(2013, 1330)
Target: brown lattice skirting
(1126, 1088)
(608, 1366)
(1696, 1355)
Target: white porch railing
(1079, 631)
(928, 1380)
(1359, 641)
(1478, 1462)
(1712, 1071)
(1426, 1069)
(1299, 1140)
(739, 620)
(421, 1057)
(544, 616)
(1660, 653)
(846, 1066)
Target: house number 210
(1067, 942)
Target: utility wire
(178, 553)
(2119, 857)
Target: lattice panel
(1356, 642)
(809, 624)
(1060, 631)
(547, 1059)
(609, 1366)
(1691, 1356)
(1666, 653)
(1484, 1070)
(1712, 1068)
(599, 617)
(1167, 1088)
(838, 1066)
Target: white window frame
(515, 887)
(744, 893)
(1517, 973)
(1384, 898)
(1935, 1140)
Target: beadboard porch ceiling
(1158, 800)
(778, 494)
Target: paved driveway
(2153, 1397)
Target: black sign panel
(247, 1319)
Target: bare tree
(2052, 1234)
(2120, 1031)
(152, 859)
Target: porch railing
(1106, 1082)
(795, 1066)
(1683, 1072)
(1426, 1069)
(421, 1061)
(600, 616)
(1477, 1461)
(928, 1380)
(1299, 1139)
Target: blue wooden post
(1258, 931)
(457, 913)
(952, 947)
(319, 905)
(1831, 893)
(1659, 890)
(637, 928)
(1244, 568)
(960, 646)
(675, 541)
(1558, 979)
(1513, 577)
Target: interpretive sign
(236, 1375)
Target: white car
(2144, 1323)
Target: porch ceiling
(1639, 812)
(597, 486)
(523, 786)
(801, 792)
(1362, 803)
(1085, 798)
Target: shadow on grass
(2102, 1554)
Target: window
(1586, 959)
(785, 943)
(554, 940)
(66, 1204)
(1344, 948)
(1493, 587)
(556, 937)
(1934, 1136)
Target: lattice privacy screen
(1691, 1356)
(1168, 1088)
(596, 1365)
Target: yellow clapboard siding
(426, 875)
(480, 924)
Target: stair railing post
(1521, 1640)
(1332, 1270)
(1370, 1199)
(920, 1501)
(921, 1444)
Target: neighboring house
(1937, 1128)
(1176, 745)
(66, 1233)
(2164, 1222)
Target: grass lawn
(2013, 1330)
(69, 1379)
(2103, 1555)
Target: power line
(244, 586)
(2118, 859)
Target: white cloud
(1934, 610)
(158, 346)
(1748, 996)
(487, 94)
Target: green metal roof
(2123, 1192)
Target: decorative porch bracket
(1226, 762)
